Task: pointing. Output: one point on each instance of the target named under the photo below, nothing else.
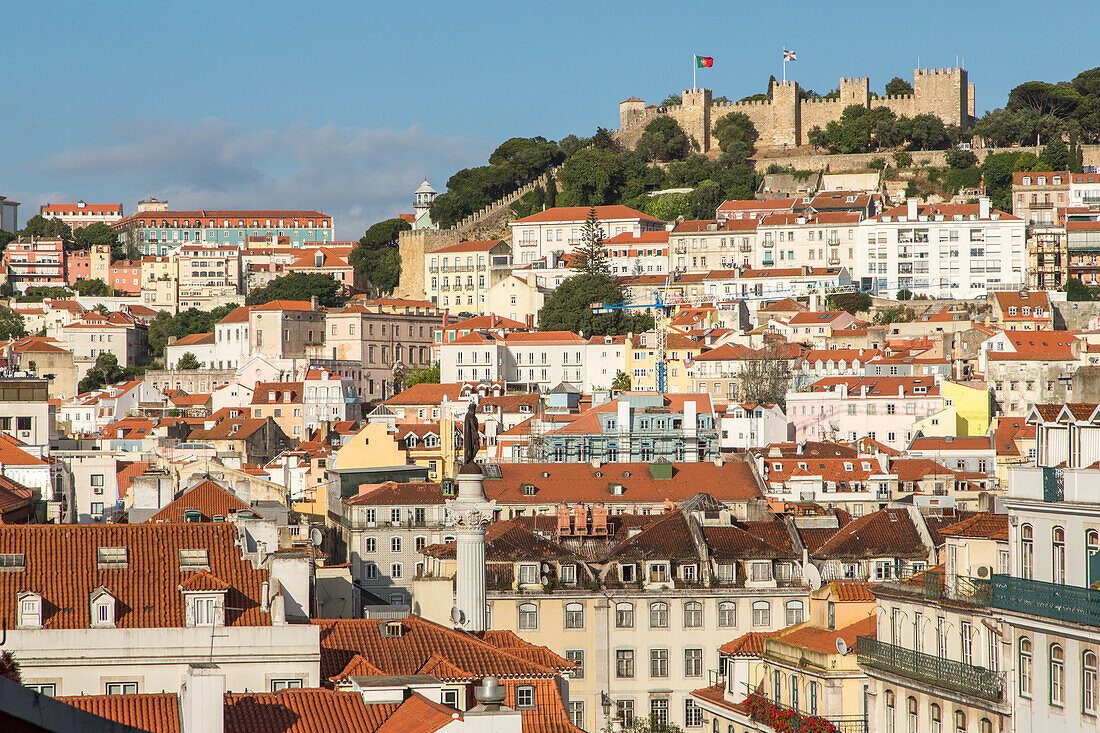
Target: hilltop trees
(299, 286)
(736, 135)
(898, 86)
(663, 139)
(591, 256)
(376, 256)
(569, 308)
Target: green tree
(384, 233)
(39, 226)
(423, 375)
(897, 314)
(898, 86)
(596, 176)
(663, 139)
(98, 233)
(902, 159)
(877, 163)
(188, 362)
(851, 302)
(905, 294)
(6, 238)
(960, 159)
(569, 308)
(38, 293)
(92, 287)
(11, 324)
(673, 100)
(1077, 290)
(165, 326)
(381, 267)
(1044, 98)
(299, 286)
(1055, 155)
(591, 255)
(705, 200)
(997, 169)
(736, 134)
(621, 382)
(105, 371)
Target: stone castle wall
(784, 121)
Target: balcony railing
(1050, 600)
(1041, 205)
(785, 718)
(946, 674)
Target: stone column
(469, 514)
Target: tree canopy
(92, 287)
(423, 375)
(188, 362)
(40, 226)
(851, 302)
(736, 134)
(898, 86)
(192, 320)
(384, 233)
(569, 308)
(11, 324)
(299, 286)
(861, 130)
(591, 255)
(663, 139)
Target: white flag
(789, 55)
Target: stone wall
(783, 121)
(936, 158)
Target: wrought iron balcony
(946, 674)
(783, 717)
(1050, 600)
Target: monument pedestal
(469, 514)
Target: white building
(81, 214)
(559, 229)
(744, 426)
(637, 254)
(538, 359)
(458, 277)
(957, 251)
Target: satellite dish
(841, 646)
(458, 616)
(316, 536)
(812, 576)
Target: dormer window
(103, 609)
(111, 557)
(194, 559)
(29, 614)
(528, 574)
(528, 489)
(847, 466)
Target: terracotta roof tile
(983, 526)
(746, 645)
(391, 493)
(852, 590)
(885, 533)
(580, 213)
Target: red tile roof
(208, 499)
(580, 213)
(393, 493)
(194, 339)
(885, 533)
(284, 305)
(146, 588)
(852, 590)
(982, 526)
(746, 645)
(823, 640)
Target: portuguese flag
(704, 62)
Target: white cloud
(357, 175)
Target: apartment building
(958, 251)
(1037, 196)
(559, 229)
(1083, 251)
(333, 260)
(284, 329)
(35, 263)
(540, 360)
(89, 264)
(459, 276)
(82, 214)
(94, 333)
(630, 254)
(207, 276)
(702, 246)
(1023, 310)
(1084, 189)
(753, 209)
(157, 231)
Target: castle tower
(694, 116)
(855, 90)
(944, 93)
(425, 195)
(786, 115)
(468, 515)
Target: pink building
(848, 408)
(126, 276)
(35, 263)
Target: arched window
(1058, 555)
(1088, 682)
(574, 616)
(1025, 667)
(986, 726)
(528, 616)
(1092, 547)
(794, 691)
(624, 615)
(960, 721)
(727, 613)
(794, 612)
(693, 614)
(813, 698)
(934, 718)
(1027, 552)
(778, 687)
(911, 706)
(889, 698)
(761, 613)
(395, 544)
(658, 615)
(1057, 675)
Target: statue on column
(471, 439)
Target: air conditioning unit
(984, 571)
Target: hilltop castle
(784, 121)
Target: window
(370, 545)
(911, 705)
(576, 656)
(49, 689)
(693, 614)
(624, 710)
(370, 571)
(528, 574)
(693, 714)
(576, 713)
(277, 685)
(624, 663)
(1092, 547)
(574, 616)
(450, 698)
(761, 571)
(794, 613)
(658, 615)
(568, 574)
(204, 610)
(1088, 683)
(934, 718)
(761, 613)
(1027, 552)
(111, 557)
(693, 662)
(966, 642)
(528, 616)
(395, 544)
(658, 572)
(525, 697)
(1058, 558)
(624, 615)
(658, 710)
(658, 662)
(985, 726)
(1057, 675)
(395, 570)
(122, 688)
(889, 699)
(960, 721)
(727, 613)
(191, 559)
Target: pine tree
(591, 257)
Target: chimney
(313, 302)
(202, 699)
(983, 207)
(911, 209)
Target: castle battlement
(784, 120)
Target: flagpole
(784, 66)
(694, 66)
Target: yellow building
(372, 447)
(966, 413)
(641, 361)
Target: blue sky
(345, 106)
